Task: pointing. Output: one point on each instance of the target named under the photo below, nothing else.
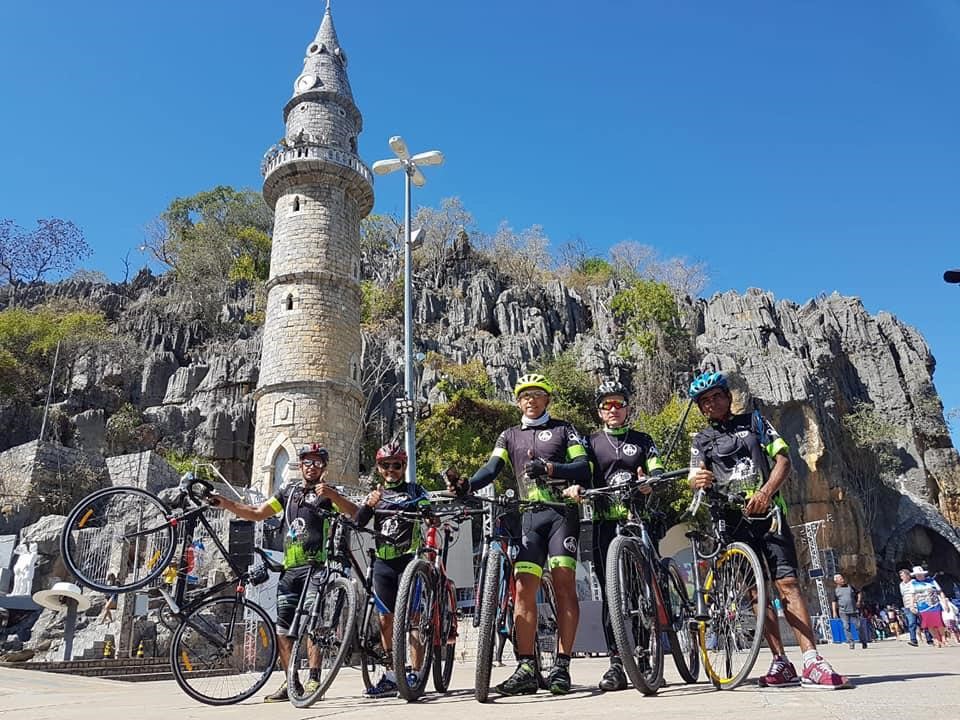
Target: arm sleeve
(276, 504)
(577, 471)
(488, 473)
(652, 466)
(364, 513)
(772, 443)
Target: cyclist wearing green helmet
(735, 452)
(548, 460)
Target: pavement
(891, 678)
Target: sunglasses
(613, 405)
(711, 398)
(391, 465)
(312, 463)
(532, 395)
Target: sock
(528, 659)
(810, 657)
(563, 661)
(390, 675)
(315, 674)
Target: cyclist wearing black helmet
(304, 539)
(546, 454)
(735, 452)
(397, 543)
(618, 453)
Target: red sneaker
(821, 676)
(782, 673)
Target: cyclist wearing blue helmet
(735, 452)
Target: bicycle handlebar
(636, 482)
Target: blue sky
(801, 147)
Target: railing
(277, 156)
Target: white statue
(23, 568)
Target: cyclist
(735, 452)
(304, 540)
(395, 554)
(545, 454)
(617, 452)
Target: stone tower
(309, 386)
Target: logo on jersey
(544, 435)
(573, 437)
(310, 498)
(694, 451)
(630, 449)
(743, 433)
(297, 528)
(570, 544)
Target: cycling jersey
(617, 455)
(306, 527)
(554, 441)
(404, 537)
(738, 452)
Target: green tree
(869, 445)
(647, 312)
(28, 341)
(470, 378)
(461, 434)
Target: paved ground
(893, 680)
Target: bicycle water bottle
(193, 572)
(778, 606)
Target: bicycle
(425, 621)
(731, 600)
(646, 594)
(496, 593)
(119, 539)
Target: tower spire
(325, 64)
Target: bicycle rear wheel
(548, 635)
(736, 598)
(224, 650)
(118, 539)
(323, 643)
(413, 629)
(632, 603)
(489, 609)
(446, 647)
(683, 639)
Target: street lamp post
(410, 166)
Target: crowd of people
(552, 461)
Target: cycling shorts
(548, 533)
(288, 595)
(386, 580)
(775, 546)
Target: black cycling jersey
(554, 441)
(617, 455)
(738, 452)
(306, 528)
(404, 534)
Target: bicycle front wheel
(372, 656)
(413, 629)
(446, 646)
(683, 639)
(632, 603)
(325, 639)
(736, 598)
(118, 539)
(224, 650)
(489, 610)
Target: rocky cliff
(807, 366)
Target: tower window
(289, 302)
(296, 203)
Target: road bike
(731, 597)
(496, 591)
(425, 621)
(647, 595)
(224, 646)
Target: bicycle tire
(215, 669)
(488, 609)
(684, 645)
(547, 638)
(413, 621)
(331, 632)
(446, 645)
(632, 604)
(730, 640)
(372, 656)
(113, 529)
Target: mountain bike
(496, 592)
(119, 539)
(646, 595)
(731, 598)
(425, 621)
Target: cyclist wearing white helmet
(735, 453)
(548, 460)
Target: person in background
(846, 606)
(926, 600)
